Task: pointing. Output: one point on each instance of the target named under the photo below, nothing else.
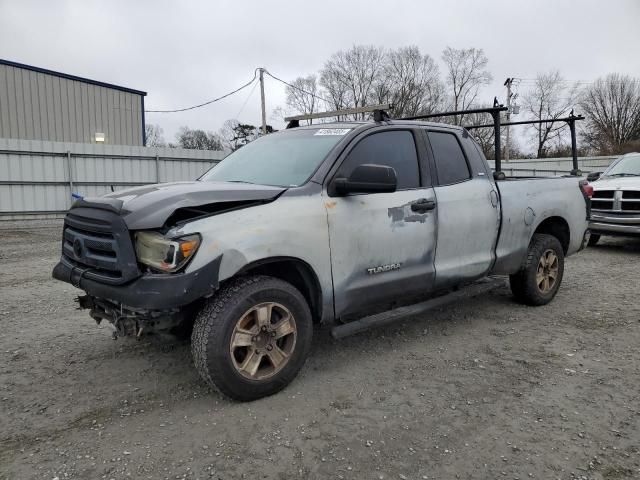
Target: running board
(385, 318)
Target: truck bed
(527, 202)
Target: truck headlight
(166, 254)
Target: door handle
(423, 205)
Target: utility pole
(264, 113)
(507, 83)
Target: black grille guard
(97, 245)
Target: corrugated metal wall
(42, 106)
(37, 178)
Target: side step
(473, 290)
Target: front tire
(251, 339)
(594, 238)
(540, 276)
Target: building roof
(70, 77)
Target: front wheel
(251, 339)
(540, 276)
(594, 238)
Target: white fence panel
(37, 178)
(563, 165)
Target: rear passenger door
(382, 244)
(468, 210)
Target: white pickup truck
(324, 223)
(616, 199)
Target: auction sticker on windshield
(332, 131)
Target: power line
(247, 100)
(255, 73)
(295, 87)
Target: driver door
(382, 244)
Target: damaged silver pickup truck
(322, 223)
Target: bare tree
(153, 135)
(303, 95)
(235, 134)
(612, 110)
(549, 98)
(465, 74)
(336, 88)
(349, 76)
(198, 139)
(227, 134)
(410, 81)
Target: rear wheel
(251, 339)
(540, 277)
(594, 238)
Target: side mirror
(367, 178)
(593, 176)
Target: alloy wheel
(263, 340)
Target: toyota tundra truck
(315, 224)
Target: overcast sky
(187, 52)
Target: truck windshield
(284, 159)
(627, 166)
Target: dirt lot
(487, 389)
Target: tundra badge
(384, 268)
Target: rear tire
(540, 276)
(594, 238)
(251, 339)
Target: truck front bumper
(607, 224)
(149, 291)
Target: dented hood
(150, 206)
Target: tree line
(230, 137)
(415, 83)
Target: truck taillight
(586, 188)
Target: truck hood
(617, 183)
(151, 206)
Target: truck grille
(620, 201)
(98, 243)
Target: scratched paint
(403, 213)
(364, 232)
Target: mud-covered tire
(594, 238)
(211, 340)
(524, 284)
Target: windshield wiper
(623, 175)
(240, 181)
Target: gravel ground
(485, 389)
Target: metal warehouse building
(39, 104)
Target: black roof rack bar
(295, 120)
(494, 111)
(571, 121)
(528, 122)
(498, 108)
(380, 114)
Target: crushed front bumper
(149, 291)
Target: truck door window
(395, 148)
(474, 154)
(451, 164)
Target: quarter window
(395, 148)
(450, 162)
